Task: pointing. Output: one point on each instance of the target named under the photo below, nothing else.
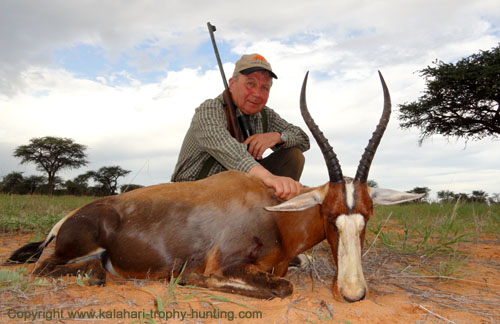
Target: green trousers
(288, 162)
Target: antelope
(227, 232)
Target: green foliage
(81, 279)
(438, 229)
(476, 196)
(418, 235)
(79, 185)
(107, 177)
(461, 99)
(465, 217)
(421, 190)
(17, 280)
(12, 182)
(449, 267)
(15, 183)
(36, 213)
(52, 154)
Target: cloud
(368, 31)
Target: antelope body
(226, 232)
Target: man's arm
(212, 136)
(259, 143)
(295, 136)
(277, 127)
(284, 187)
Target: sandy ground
(397, 295)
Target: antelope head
(346, 204)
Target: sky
(124, 79)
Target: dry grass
(384, 269)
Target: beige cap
(249, 63)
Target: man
(209, 148)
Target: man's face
(250, 92)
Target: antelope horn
(371, 148)
(332, 163)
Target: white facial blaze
(350, 279)
(349, 194)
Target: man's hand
(284, 187)
(259, 143)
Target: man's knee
(296, 157)
(286, 162)
(296, 163)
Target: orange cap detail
(259, 57)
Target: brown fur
(333, 206)
(363, 206)
(215, 230)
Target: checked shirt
(208, 136)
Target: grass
(470, 218)
(433, 230)
(17, 280)
(35, 213)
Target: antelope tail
(31, 252)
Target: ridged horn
(332, 163)
(371, 148)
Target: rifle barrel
(211, 29)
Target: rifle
(237, 126)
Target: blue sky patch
(147, 62)
(85, 61)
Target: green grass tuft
(16, 280)
(427, 230)
(35, 213)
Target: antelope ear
(303, 201)
(391, 197)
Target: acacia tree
(479, 196)
(79, 185)
(108, 177)
(16, 183)
(446, 195)
(461, 99)
(421, 190)
(12, 182)
(34, 183)
(52, 154)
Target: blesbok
(227, 232)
